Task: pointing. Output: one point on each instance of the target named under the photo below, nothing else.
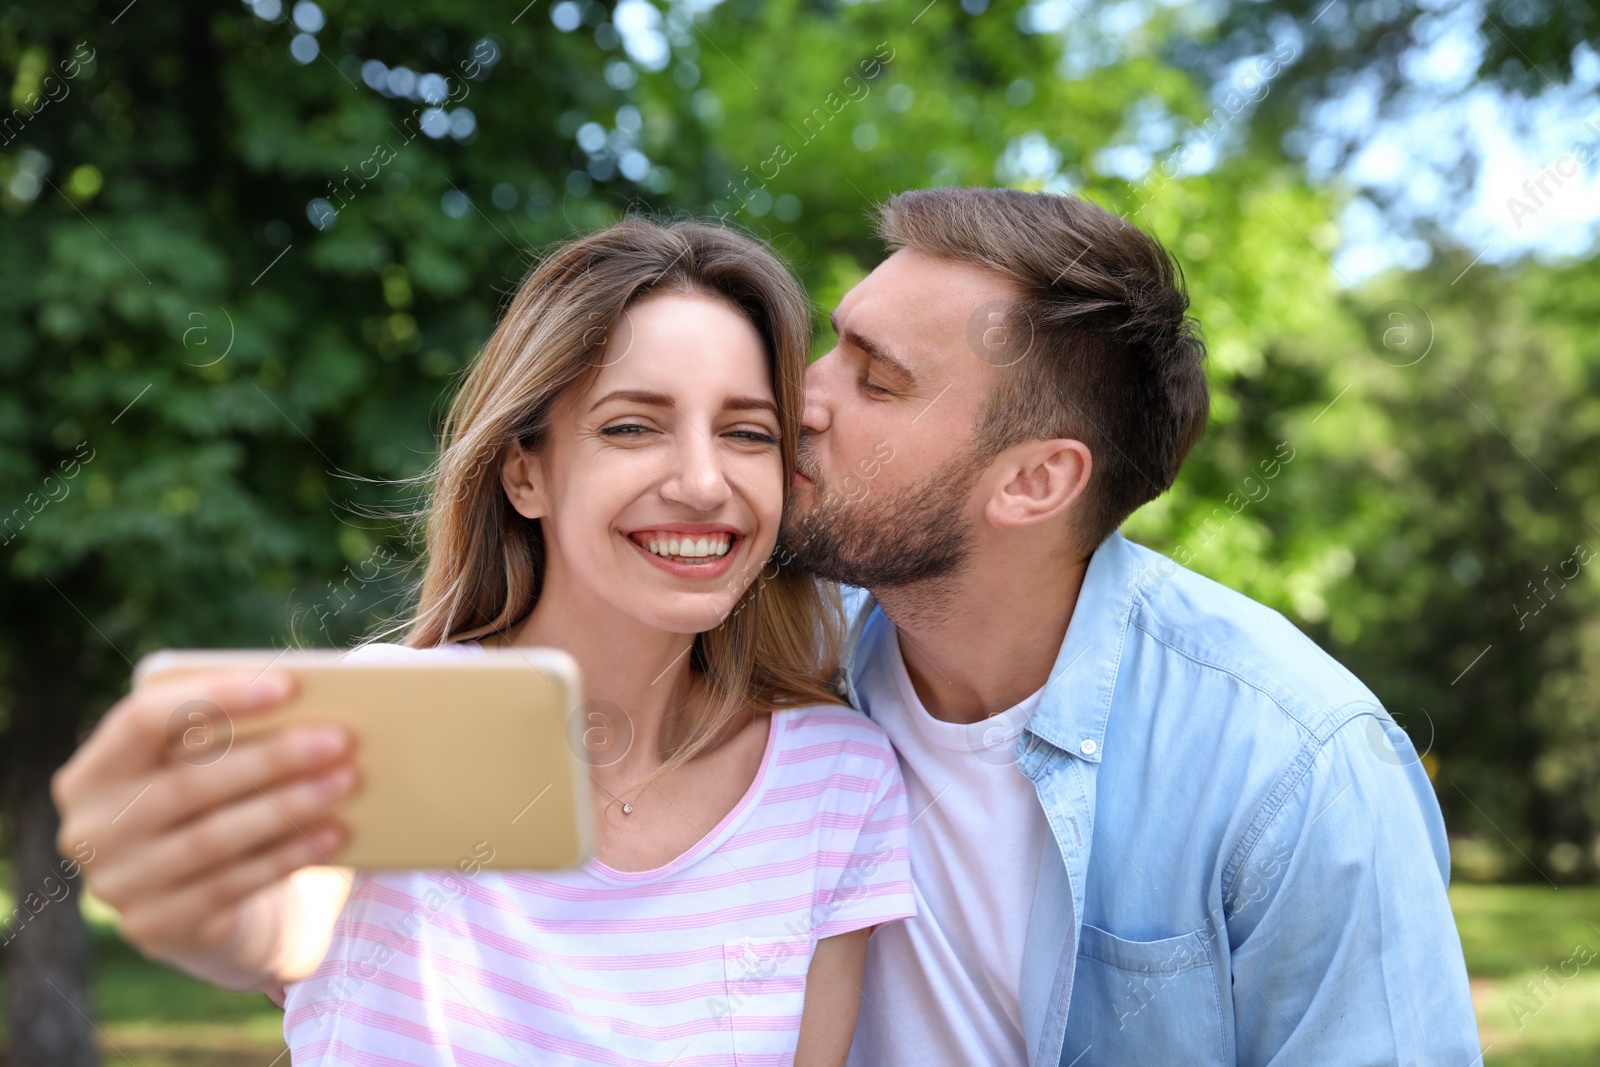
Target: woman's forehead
(686, 344)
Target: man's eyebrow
(875, 352)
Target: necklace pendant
(627, 809)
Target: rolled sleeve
(1344, 947)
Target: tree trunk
(45, 942)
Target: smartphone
(464, 760)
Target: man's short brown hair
(1100, 348)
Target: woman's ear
(522, 475)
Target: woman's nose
(700, 480)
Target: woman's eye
(627, 429)
(758, 436)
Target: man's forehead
(921, 304)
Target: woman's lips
(706, 568)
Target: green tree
(1523, 47)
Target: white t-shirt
(700, 962)
(943, 987)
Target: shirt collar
(1076, 702)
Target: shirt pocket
(1145, 1001)
(766, 989)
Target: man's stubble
(918, 535)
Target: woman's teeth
(712, 546)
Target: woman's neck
(637, 680)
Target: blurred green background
(246, 249)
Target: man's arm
(1345, 950)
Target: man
(1152, 823)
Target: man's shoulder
(1289, 728)
(1225, 638)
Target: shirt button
(1087, 746)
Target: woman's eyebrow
(662, 400)
(750, 403)
(636, 396)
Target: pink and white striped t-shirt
(699, 963)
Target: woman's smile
(694, 550)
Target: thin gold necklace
(627, 805)
(501, 639)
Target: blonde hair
(779, 643)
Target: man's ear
(1039, 481)
(522, 475)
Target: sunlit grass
(1538, 1002)
(150, 1015)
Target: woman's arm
(833, 998)
(315, 897)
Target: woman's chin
(688, 617)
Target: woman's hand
(198, 852)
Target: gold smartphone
(462, 758)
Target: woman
(611, 484)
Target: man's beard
(885, 541)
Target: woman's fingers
(139, 732)
(224, 837)
(170, 918)
(178, 792)
(135, 777)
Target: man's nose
(816, 414)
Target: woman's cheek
(768, 491)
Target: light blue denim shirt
(1247, 862)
